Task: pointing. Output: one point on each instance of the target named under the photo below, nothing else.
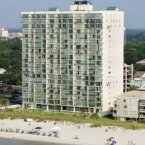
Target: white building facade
(4, 33)
(72, 60)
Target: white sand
(86, 134)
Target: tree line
(134, 49)
(11, 60)
(134, 35)
(11, 55)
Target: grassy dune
(76, 118)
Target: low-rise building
(130, 105)
(2, 71)
(142, 62)
(4, 32)
(139, 79)
(16, 35)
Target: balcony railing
(142, 116)
(141, 104)
(142, 110)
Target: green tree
(4, 102)
(10, 59)
(135, 51)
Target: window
(71, 36)
(43, 25)
(38, 75)
(78, 46)
(43, 30)
(70, 31)
(70, 26)
(71, 57)
(64, 26)
(51, 20)
(33, 15)
(43, 16)
(79, 31)
(85, 37)
(44, 85)
(25, 16)
(25, 25)
(38, 16)
(51, 35)
(59, 81)
(38, 25)
(26, 35)
(51, 26)
(70, 20)
(78, 20)
(70, 72)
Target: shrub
(4, 102)
(142, 121)
(94, 116)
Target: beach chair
(50, 133)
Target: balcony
(142, 116)
(115, 108)
(142, 110)
(114, 114)
(142, 104)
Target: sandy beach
(86, 135)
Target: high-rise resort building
(72, 60)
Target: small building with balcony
(130, 105)
(127, 77)
(139, 79)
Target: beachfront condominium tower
(72, 60)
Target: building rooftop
(134, 94)
(81, 5)
(83, 2)
(127, 65)
(112, 8)
(53, 9)
(141, 62)
(139, 74)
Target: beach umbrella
(110, 138)
(114, 142)
(38, 128)
(17, 130)
(55, 128)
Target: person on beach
(76, 137)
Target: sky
(10, 10)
